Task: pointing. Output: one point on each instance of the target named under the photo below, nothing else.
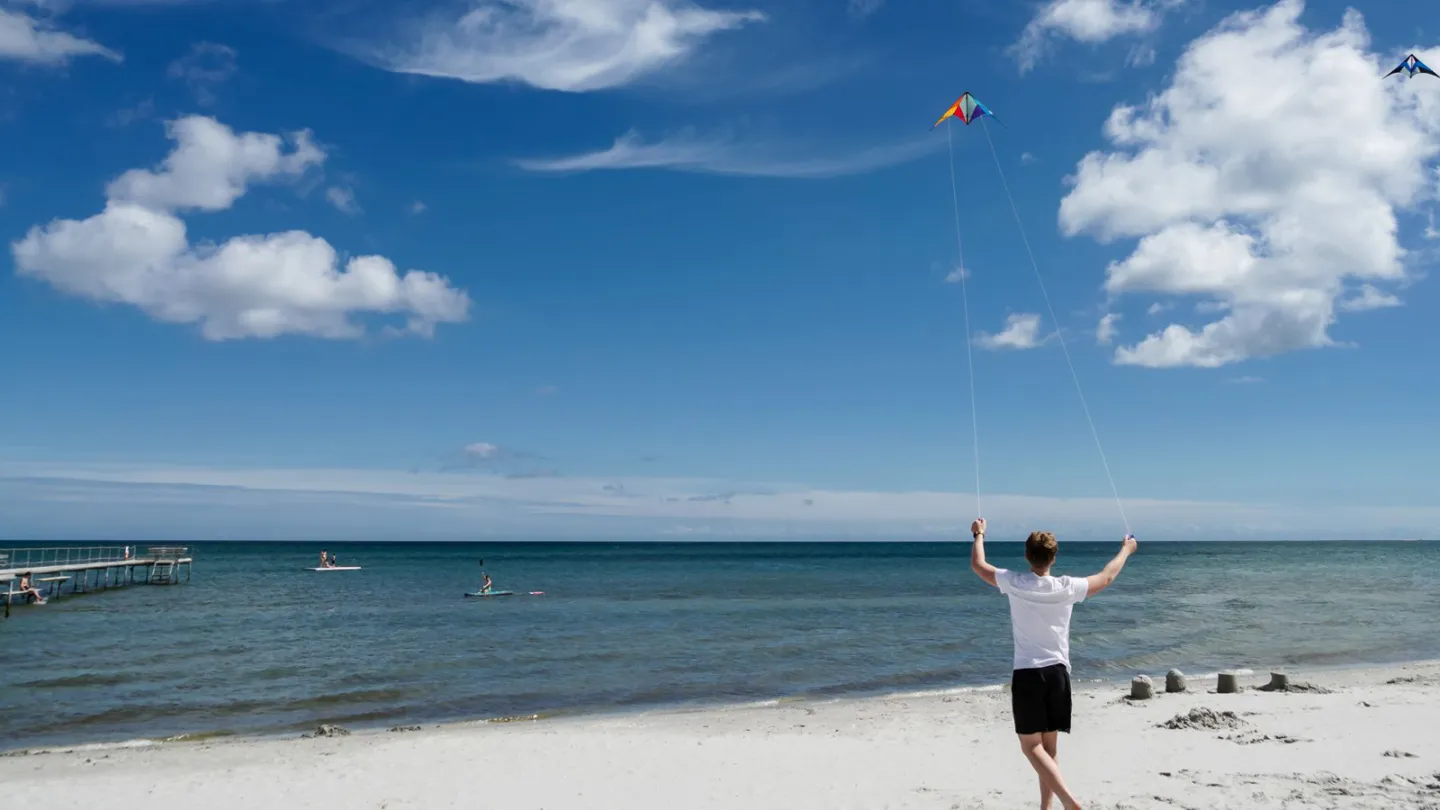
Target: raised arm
(1098, 582)
(982, 569)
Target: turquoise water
(257, 644)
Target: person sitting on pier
(31, 592)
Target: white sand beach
(1369, 741)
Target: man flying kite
(1410, 66)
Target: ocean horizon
(257, 644)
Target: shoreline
(1363, 741)
(1118, 684)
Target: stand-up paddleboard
(338, 568)
(479, 595)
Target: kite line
(965, 304)
(968, 108)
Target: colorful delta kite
(967, 108)
(1411, 66)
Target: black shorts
(1040, 699)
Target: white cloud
(27, 39)
(1255, 196)
(1247, 380)
(568, 45)
(1022, 331)
(957, 275)
(417, 207)
(482, 450)
(343, 198)
(205, 65)
(1026, 158)
(1159, 307)
(1106, 331)
(716, 155)
(211, 167)
(1088, 21)
(463, 503)
(1369, 298)
(137, 252)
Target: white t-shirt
(1040, 615)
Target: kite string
(1095, 433)
(965, 303)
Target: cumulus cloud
(1255, 197)
(1022, 331)
(204, 66)
(688, 152)
(1088, 21)
(33, 40)
(567, 45)
(137, 251)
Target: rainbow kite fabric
(967, 108)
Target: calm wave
(257, 644)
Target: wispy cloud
(861, 9)
(957, 275)
(1090, 22)
(1247, 380)
(39, 41)
(343, 198)
(1106, 331)
(1369, 297)
(567, 45)
(272, 502)
(688, 152)
(417, 207)
(204, 66)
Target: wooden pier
(107, 566)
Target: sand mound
(1206, 719)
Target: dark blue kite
(1411, 66)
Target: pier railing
(63, 555)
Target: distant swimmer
(1040, 607)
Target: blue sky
(687, 270)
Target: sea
(256, 644)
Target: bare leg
(1051, 741)
(1033, 745)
